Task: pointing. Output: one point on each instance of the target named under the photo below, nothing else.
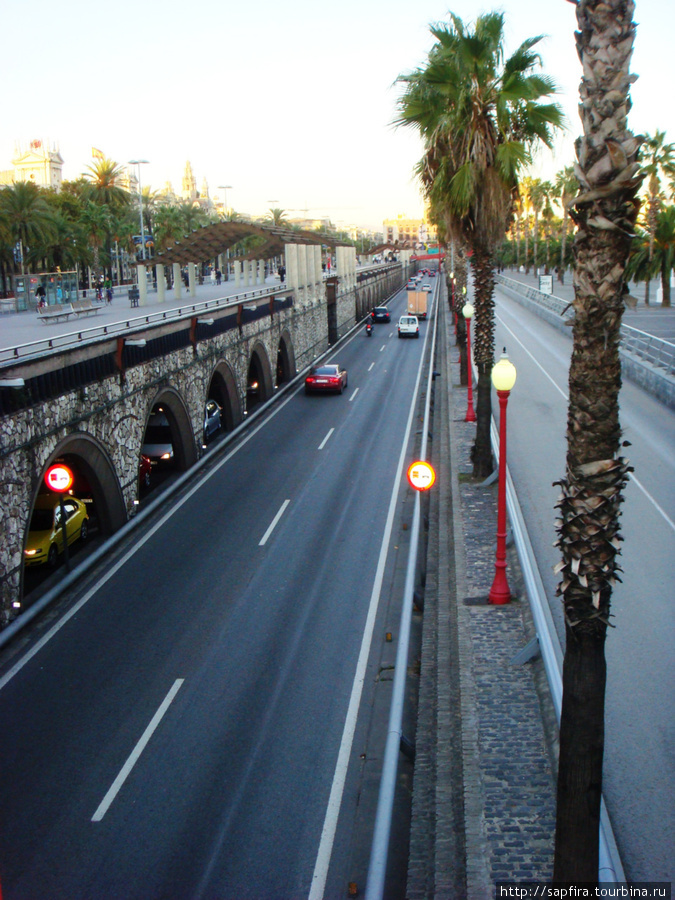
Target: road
(639, 769)
(176, 734)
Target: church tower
(189, 191)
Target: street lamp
(138, 163)
(503, 378)
(467, 312)
(226, 188)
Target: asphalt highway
(176, 734)
(639, 768)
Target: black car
(382, 314)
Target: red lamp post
(467, 312)
(503, 378)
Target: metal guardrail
(33, 349)
(643, 346)
(383, 819)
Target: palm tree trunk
(483, 349)
(665, 287)
(592, 490)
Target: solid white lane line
(324, 853)
(326, 439)
(275, 521)
(353, 395)
(136, 752)
(637, 482)
(371, 366)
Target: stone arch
(285, 369)
(184, 447)
(223, 389)
(259, 385)
(96, 483)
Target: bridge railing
(42, 346)
(639, 344)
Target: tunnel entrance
(93, 506)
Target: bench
(47, 314)
(85, 307)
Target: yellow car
(45, 535)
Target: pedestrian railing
(34, 349)
(640, 345)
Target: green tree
(658, 160)
(27, 216)
(653, 254)
(566, 185)
(480, 116)
(96, 222)
(104, 180)
(604, 212)
(277, 216)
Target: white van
(408, 326)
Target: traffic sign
(421, 475)
(59, 478)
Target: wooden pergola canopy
(207, 242)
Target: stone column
(291, 264)
(161, 283)
(142, 285)
(261, 271)
(237, 272)
(318, 272)
(177, 281)
(302, 273)
(192, 289)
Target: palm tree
(604, 212)
(653, 253)
(566, 185)
(105, 184)
(480, 116)
(658, 159)
(97, 223)
(277, 216)
(27, 215)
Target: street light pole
(503, 378)
(467, 312)
(226, 188)
(138, 163)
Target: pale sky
(290, 103)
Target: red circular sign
(59, 478)
(421, 475)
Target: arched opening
(259, 378)
(285, 360)
(93, 507)
(168, 441)
(223, 391)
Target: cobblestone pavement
(484, 791)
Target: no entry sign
(59, 478)
(421, 475)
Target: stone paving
(484, 791)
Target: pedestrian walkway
(484, 784)
(23, 327)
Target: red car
(326, 378)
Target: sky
(291, 104)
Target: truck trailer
(417, 304)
